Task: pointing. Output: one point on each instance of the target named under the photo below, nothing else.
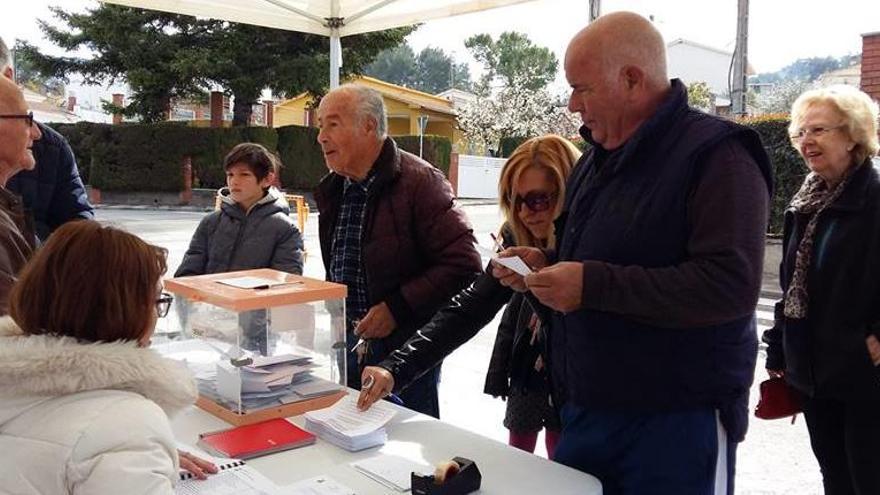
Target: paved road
(775, 459)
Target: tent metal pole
(335, 57)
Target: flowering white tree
(779, 98)
(700, 96)
(515, 111)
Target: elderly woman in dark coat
(825, 339)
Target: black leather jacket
(468, 312)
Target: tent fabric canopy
(324, 17)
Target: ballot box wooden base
(283, 411)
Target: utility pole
(595, 8)
(740, 59)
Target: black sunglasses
(29, 117)
(535, 201)
(163, 304)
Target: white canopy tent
(332, 18)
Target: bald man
(656, 275)
(17, 135)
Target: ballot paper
(515, 263)
(256, 282)
(239, 479)
(234, 477)
(391, 471)
(342, 424)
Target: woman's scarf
(812, 199)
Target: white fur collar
(44, 365)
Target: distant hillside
(806, 69)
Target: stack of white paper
(342, 424)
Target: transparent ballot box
(261, 343)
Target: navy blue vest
(629, 207)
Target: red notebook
(245, 442)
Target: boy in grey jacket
(252, 228)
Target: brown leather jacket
(17, 241)
(418, 247)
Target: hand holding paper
(559, 287)
(515, 263)
(532, 258)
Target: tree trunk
(241, 111)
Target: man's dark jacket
(417, 247)
(825, 355)
(53, 190)
(632, 210)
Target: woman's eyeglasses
(28, 117)
(815, 131)
(535, 201)
(163, 304)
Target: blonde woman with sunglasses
(531, 191)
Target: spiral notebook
(245, 442)
(233, 463)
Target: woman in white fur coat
(84, 403)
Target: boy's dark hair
(257, 158)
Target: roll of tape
(445, 470)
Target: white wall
(692, 64)
(478, 176)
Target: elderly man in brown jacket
(17, 134)
(390, 231)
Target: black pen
(270, 286)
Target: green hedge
(83, 137)
(208, 147)
(148, 157)
(303, 161)
(789, 169)
(436, 150)
(509, 144)
(141, 158)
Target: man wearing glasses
(53, 191)
(17, 135)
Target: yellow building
(404, 106)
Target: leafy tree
(512, 58)
(432, 70)
(167, 56)
(29, 76)
(396, 65)
(436, 72)
(700, 96)
(139, 47)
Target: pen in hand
(497, 243)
